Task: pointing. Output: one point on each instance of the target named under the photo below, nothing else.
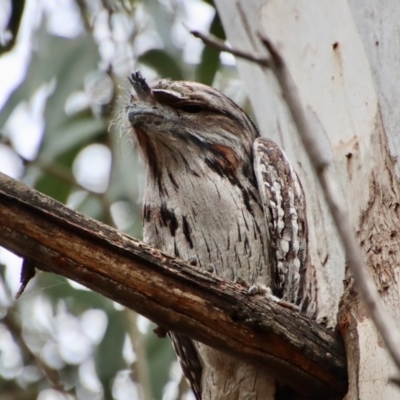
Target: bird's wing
(285, 216)
(188, 360)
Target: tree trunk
(343, 57)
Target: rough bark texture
(171, 293)
(344, 59)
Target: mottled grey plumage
(217, 194)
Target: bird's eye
(192, 108)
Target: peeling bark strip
(294, 349)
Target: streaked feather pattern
(218, 194)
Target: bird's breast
(211, 222)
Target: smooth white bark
(345, 61)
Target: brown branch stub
(219, 45)
(28, 272)
(275, 56)
(160, 332)
(172, 293)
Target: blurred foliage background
(63, 86)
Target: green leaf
(109, 358)
(209, 64)
(75, 131)
(50, 183)
(165, 65)
(126, 177)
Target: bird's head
(179, 123)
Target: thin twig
(363, 280)
(218, 44)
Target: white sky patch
(49, 353)
(26, 124)
(198, 16)
(73, 345)
(189, 395)
(10, 163)
(5, 299)
(128, 352)
(13, 270)
(39, 309)
(170, 391)
(122, 215)
(227, 58)
(92, 167)
(74, 201)
(117, 306)
(76, 102)
(63, 18)
(94, 324)
(143, 324)
(123, 388)
(29, 375)
(53, 394)
(77, 285)
(10, 357)
(98, 87)
(88, 377)
(122, 27)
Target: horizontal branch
(172, 293)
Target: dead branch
(218, 44)
(171, 293)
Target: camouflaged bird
(226, 199)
